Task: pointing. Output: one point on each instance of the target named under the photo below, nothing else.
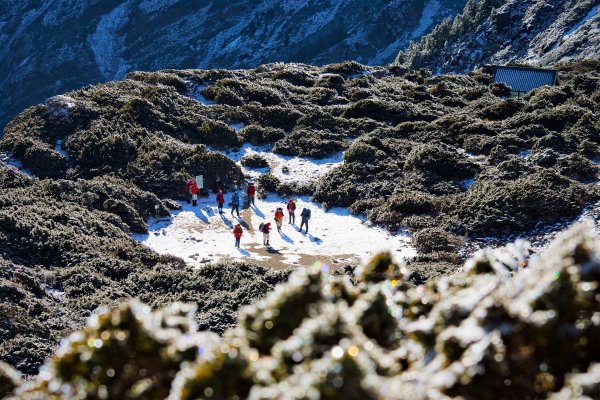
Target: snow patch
(288, 169)
(576, 27)
(10, 161)
(60, 106)
(200, 235)
(195, 92)
(430, 10)
(58, 147)
(236, 126)
(524, 153)
(107, 41)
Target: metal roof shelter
(524, 79)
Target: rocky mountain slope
(49, 47)
(523, 31)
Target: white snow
(200, 235)
(287, 168)
(576, 27)
(58, 147)
(107, 41)
(196, 94)
(9, 160)
(429, 12)
(236, 126)
(524, 153)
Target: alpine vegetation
(484, 333)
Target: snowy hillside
(53, 46)
(493, 31)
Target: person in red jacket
(238, 232)
(251, 193)
(192, 188)
(291, 207)
(279, 218)
(265, 229)
(220, 201)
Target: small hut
(523, 80)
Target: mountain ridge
(55, 46)
(534, 32)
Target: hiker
(279, 218)
(188, 185)
(192, 189)
(251, 193)
(305, 216)
(220, 201)
(291, 207)
(265, 229)
(235, 203)
(238, 232)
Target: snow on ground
(195, 92)
(576, 27)
(430, 10)
(58, 147)
(9, 160)
(287, 168)
(200, 235)
(107, 42)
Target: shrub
(430, 240)
(310, 143)
(254, 161)
(218, 134)
(259, 135)
(439, 162)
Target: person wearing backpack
(235, 203)
(279, 218)
(251, 193)
(291, 207)
(265, 229)
(220, 201)
(305, 216)
(238, 232)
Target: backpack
(306, 213)
(261, 226)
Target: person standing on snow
(251, 193)
(279, 218)
(305, 216)
(192, 189)
(220, 201)
(291, 207)
(188, 185)
(238, 232)
(265, 229)
(235, 203)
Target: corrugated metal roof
(525, 79)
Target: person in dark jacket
(305, 216)
(235, 203)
